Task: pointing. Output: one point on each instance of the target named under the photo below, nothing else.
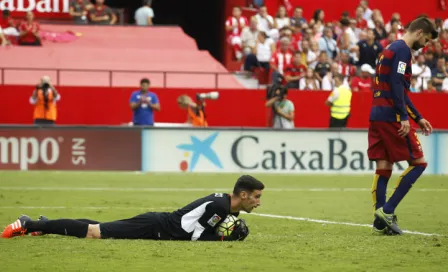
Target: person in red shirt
(365, 82)
(294, 72)
(281, 59)
(234, 27)
(29, 31)
(444, 40)
(360, 22)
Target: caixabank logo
(197, 149)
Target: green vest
(341, 107)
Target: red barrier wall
(109, 106)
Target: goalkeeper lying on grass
(196, 221)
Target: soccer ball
(227, 226)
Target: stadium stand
(116, 56)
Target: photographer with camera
(44, 99)
(196, 110)
(282, 108)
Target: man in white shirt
(249, 36)
(266, 23)
(143, 15)
(422, 72)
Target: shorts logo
(214, 220)
(401, 67)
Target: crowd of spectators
(307, 53)
(26, 31)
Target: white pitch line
(108, 189)
(334, 223)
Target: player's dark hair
(144, 80)
(247, 183)
(6, 13)
(424, 24)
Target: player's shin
(67, 227)
(404, 184)
(379, 187)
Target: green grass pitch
(274, 244)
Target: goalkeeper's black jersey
(198, 220)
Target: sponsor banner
(70, 149)
(262, 151)
(40, 8)
(441, 164)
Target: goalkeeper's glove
(240, 231)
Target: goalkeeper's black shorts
(143, 226)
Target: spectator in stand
(283, 109)
(297, 19)
(365, 82)
(361, 23)
(262, 53)
(395, 17)
(287, 32)
(328, 83)
(281, 19)
(430, 61)
(143, 104)
(294, 72)
(318, 19)
(3, 40)
(413, 87)
(44, 99)
(368, 13)
(347, 69)
(380, 31)
(443, 38)
(266, 23)
(79, 9)
(143, 16)
(439, 24)
(309, 82)
(369, 49)
(234, 27)
(376, 16)
(249, 36)
(445, 85)
(322, 66)
(281, 58)
(348, 40)
(421, 72)
(8, 25)
(101, 14)
(430, 88)
(309, 58)
(328, 44)
(439, 74)
(29, 31)
(391, 37)
(438, 51)
(397, 28)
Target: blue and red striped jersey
(391, 85)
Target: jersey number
(377, 78)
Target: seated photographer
(282, 108)
(195, 111)
(44, 99)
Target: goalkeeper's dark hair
(247, 183)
